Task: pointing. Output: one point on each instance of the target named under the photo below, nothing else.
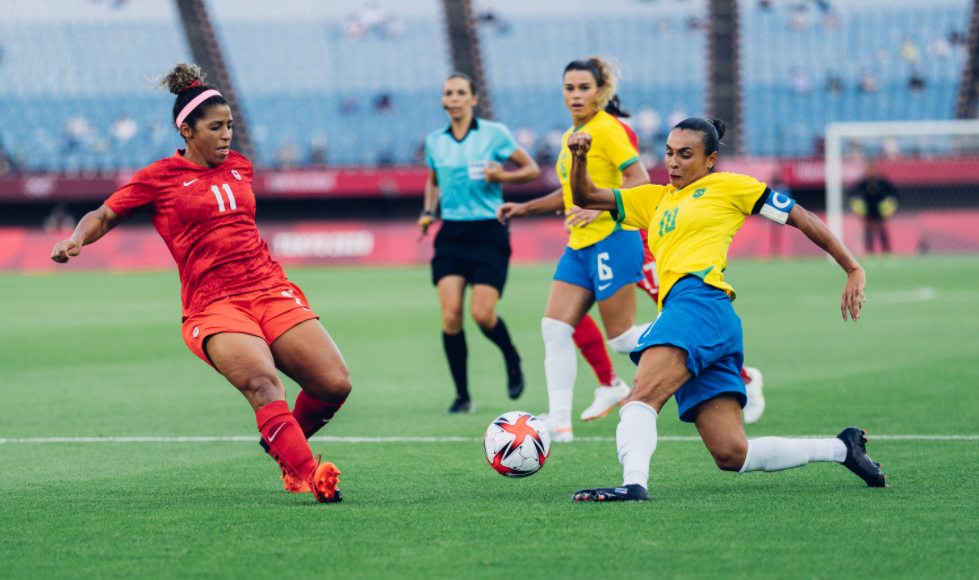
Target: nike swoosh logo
(186, 183)
(604, 286)
(272, 438)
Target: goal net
(904, 187)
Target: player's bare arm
(632, 176)
(583, 191)
(430, 203)
(91, 228)
(527, 169)
(856, 278)
(550, 203)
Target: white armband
(777, 207)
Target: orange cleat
(294, 483)
(324, 481)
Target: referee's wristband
(427, 213)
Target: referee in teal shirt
(472, 248)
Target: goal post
(936, 162)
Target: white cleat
(606, 399)
(560, 432)
(756, 402)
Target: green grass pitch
(100, 355)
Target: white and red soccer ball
(517, 444)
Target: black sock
(457, 353)
(501, 337)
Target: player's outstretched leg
(858, 461)
(719, 423)
(636, 441)
(753, 383)
(307, 354)
(247, 362)
(662, 370)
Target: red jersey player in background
(590, 341)
(241, 315)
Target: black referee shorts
(478, 250)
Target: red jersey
(206, 216)
(633, 138)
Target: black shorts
(478, 250)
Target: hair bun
(720, 126)
(181, 77)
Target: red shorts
(266, 314)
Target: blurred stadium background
(333, 100)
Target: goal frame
(837, 132)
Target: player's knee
(263, 388)
(484, 316)
(730, 456)
(332, 385)
(340, 386)
(452, 320)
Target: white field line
(903, 296)
(254, 438)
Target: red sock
(312, 413)
(285, 437)
(591, 343)
(745, 376)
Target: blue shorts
(606, 266)
(700, 319)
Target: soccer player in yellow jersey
(694, 351)
(603, 260)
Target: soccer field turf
(100, 355)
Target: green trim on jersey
(628, 162)
(619, 214)
(702, 274)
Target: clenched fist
(579, 144)
(65, 250)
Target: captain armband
(776, 206)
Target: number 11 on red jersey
(231, 196)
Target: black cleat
(460, 406)
(633, 492)
(515, 380)
(265, 445)
(857, 459)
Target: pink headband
(193, 105)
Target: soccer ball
(517, 444)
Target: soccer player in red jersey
(241, 315)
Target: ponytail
(187, 82)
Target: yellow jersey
(690, 230)
(612, 151)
